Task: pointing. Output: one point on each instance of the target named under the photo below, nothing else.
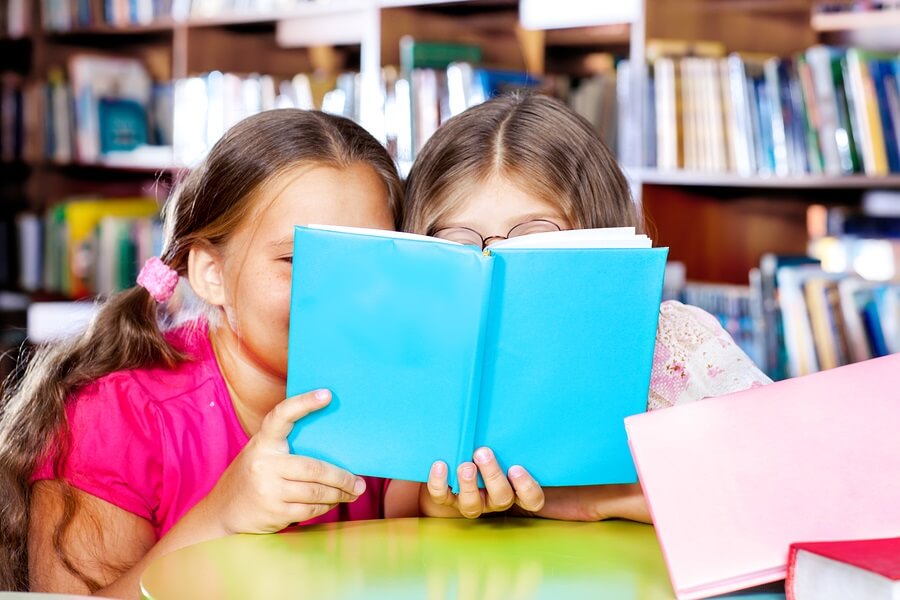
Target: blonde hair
(531, 140)
(205, 208)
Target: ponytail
(206, 207)
(123, 335)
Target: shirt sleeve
(115, 450)
(695, 358)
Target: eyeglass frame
(490, 238)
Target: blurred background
(761, 137)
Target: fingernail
(468, 472)
(482, 455)
(359, 487)
(516, 471)
(439, 469)
(322, 394)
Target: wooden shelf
(310, 9)
(856, 21)
(729, 180)
(160, 26)
(447, 3)
(600, 35)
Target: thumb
(278, 423)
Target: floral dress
(695, 358)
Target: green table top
(440, 559)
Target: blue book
(433, 349)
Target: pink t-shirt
(155, 441)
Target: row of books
(840, 303)
(15, 18)
(805, 313)
(207, 105)
(827, 110)
(108, 109)
(86, 247)
(67, 15)
(833, 319)
(100, 108)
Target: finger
(298, 513)
(310, 470)
(280, 420)
(438, 489)
(469, 500)
(313, 493)
(500, 494)
(529, 494)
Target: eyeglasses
(470, 237)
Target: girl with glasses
(522, 164)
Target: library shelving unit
(717, 224)
(333, 37)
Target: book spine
(470, 415)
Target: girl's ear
(205, 274)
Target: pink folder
(732, 481)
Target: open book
(538, 348)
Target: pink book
(732, 481)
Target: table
(427, 559)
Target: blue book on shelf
(122, 124)
(433, 349)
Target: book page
(381, 233)
(610, 237)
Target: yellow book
(81, 218)
(864, 102)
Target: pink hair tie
(158, 278)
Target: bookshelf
(776, 28)
(717, 223)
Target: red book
(847, 569)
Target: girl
(522, 164)
(138, 438)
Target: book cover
(834, 570)
(433, 349)
(864, 108)
(824, 110)
(426, 54)
(732, 481)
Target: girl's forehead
(501, 195)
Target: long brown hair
(205, 207)
(532, 140)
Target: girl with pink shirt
(165, 423)
(521, 164)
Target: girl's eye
(288, 259)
